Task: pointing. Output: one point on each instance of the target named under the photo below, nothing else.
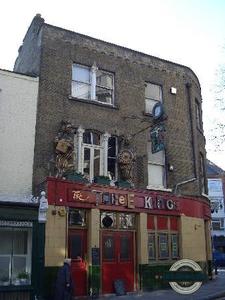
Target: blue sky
(189, 32)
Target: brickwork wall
(61, 48)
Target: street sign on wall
(157, 138)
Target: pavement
(213, 289)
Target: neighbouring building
(216, 191)
(120, 150)
(21, 235)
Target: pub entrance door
(117, 260)
(77, 251)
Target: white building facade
(21, 250)
(18, 106)
(216, 186)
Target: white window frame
(79, 153)
(219, 221)
(92, 149)
(156, 163)
(27, 256)
(93, 83)
(149, 99)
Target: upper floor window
(95, 154)
(153, 94)
(198, 115)
(156, 168)
(92, 84)
(202, 174)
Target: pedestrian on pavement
(64, 284)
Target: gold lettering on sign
(130, 201)
(122, 200)
(77, 195)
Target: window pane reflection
(86, 168)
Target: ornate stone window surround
(79, 153)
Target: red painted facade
(75, 194)
(118, 247)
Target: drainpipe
(183, 182)
(188, 87)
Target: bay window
(92, 84)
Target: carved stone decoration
(126, 159)
(64, 146)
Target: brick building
(120, 148)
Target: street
(214, 289)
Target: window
(202, 175)
(153, 94)
(151, 246)
(92, 84)
(174, 246)
(126, 221)
(92, 155)
(198, 115)
(218, 224)
(15, 256)
(163, 239)
(114, 220)
(216, 204)
(108, 220)
(163, 245)
(112, 157)
(95, 154)
(77, 217)
(156, 168)
(215, 187)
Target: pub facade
(118, 233)
(120, 150)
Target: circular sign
(185, 287)
(107, 221)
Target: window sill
(16, 288)
(93, 102)
(157, 188)
(147, 114)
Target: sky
(188, 32)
